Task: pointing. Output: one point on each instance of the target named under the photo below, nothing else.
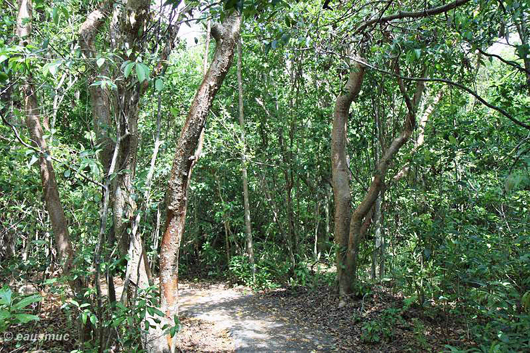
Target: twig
(404, 14)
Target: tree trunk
(246, 203)
(341, 175)
(316, 253)
(100, 97)
(360, 214)
(49, 183)
(226, 36)
(377, 254)
(129, 20)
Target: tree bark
(226, 36)
(49, 183)
(130, 20)
(341, 175)
(246, 203)
(100, 97)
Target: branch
(217, 31)
(447, 82)
(404, 14)
(421, 136)
(89, 28)
(172, 32)
(508, 62)
(411, 121)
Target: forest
(265, 176)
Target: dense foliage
(451, 234)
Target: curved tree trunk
(226, 36)
(341, 175)
(350, 228)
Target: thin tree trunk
(291, 241)
(248, 227)
(329, 192)
(226, 35)
(289, 238)
(139, 271)
(522, 30)
(206, 47)
(316, 253)
(226, 225)
(377, 254)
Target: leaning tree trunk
(226, 36)
(341, 175)
(49, 183)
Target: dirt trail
(252, 329)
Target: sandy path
(239, 312)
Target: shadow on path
(252, 328)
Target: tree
(226, 36)
(248, 227)
(50, 188)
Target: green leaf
(33, 160)
(128, 69)
(522, 50)
(157, 312)
(24, 318)
(50, 281)
(4, 315)
(159, 84)
(54, 66)
(5, 296)
(174, 3)
(55, 15)
(142, 72)
(27, 301)
(525, 301)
